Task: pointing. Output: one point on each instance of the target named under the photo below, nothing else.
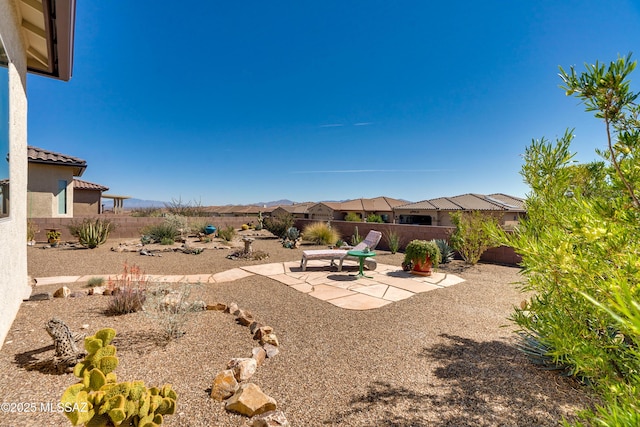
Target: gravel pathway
(442, 358)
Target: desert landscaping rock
(270, 419)
(224, 385)
(232, 308)
(41, 296)
(63, 292)
(262, 331)
(244, 317)
(271, 350)
(254, 326)
(217, 307)
(271, 339)
(259, 354)
(243, 368)
(198, 306)
(249, 400)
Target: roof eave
(59, 16)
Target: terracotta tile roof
(298, 207)
(479, 202)
(39, 155)
(79, 184)
(376, 204)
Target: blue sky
(242, 102)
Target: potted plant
(423, 255)
(53, 236)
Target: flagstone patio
(387, 284)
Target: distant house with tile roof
(437, 211)
(382, 206)
(53, 191)
(297, 210)
(87, 197)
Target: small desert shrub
(167, 241)
(356, 237)
(179, 222)
(146, 212)
(171, 308)
(156, 233)
(253, 255)
(32, 229)
(446, 251)
(186, 209)
(353, 217)
(95, 281)
(227, 234)
(128, 291)
(320, 233)
(196, 227)
(393, 239)
(374, 218)
(279, 224)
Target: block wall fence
(128, 227)
(408, 232)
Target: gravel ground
(441, 358)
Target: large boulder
(249, 400)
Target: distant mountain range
(141, 203)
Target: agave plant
(446, 251)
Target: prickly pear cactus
(99, 400)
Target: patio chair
(371, 241)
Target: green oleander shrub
(471, 237)
(580, 252)
(374, 218)
(352, 217)
(227, 234)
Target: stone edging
(231, 385)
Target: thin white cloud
(373, 171)
(363, 124)
(332, 125)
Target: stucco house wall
(14, 285)
(43, 191)
(321, 212)
(443, 218)
(86, 202)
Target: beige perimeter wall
(13, 250)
